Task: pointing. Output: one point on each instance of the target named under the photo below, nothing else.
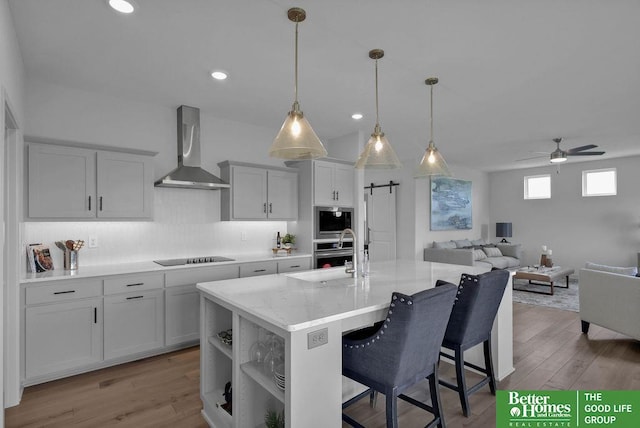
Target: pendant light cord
(431, 122)
(377, 116)
(296, 69)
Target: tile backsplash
(186, 224)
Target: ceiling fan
(559, 155)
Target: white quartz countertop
(148, 266)
(294, 301)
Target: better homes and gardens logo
(535, 409)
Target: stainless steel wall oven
(327, 254)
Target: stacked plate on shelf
(278, 376)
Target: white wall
(186, 222)
(603, 229)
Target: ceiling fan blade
(585, 154)
(581, 148)
(534, 157)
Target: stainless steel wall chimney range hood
(189, 174)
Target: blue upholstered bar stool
(470, 324)
(400, 351)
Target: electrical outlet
(243, 235)
(317, 338)
(93, 242)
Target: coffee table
(542, 276)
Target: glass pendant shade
(378, 154)
(432, 163)
(296, 139)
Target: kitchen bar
(310, 311)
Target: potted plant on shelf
(288, 240)
(273, 419)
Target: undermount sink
(321, 275)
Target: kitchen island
(309, 311)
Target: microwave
(331, 221)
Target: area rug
(562, 298)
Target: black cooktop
(193, 261)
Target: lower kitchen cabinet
(182, 300)
(62, 336)
(133, 323)
(258, 268)
(294, 265)
(182, 314)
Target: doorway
(380, 220)
(9, 262)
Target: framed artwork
(450, 204)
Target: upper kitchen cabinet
(258, 192)
(73, 182)
(333, 184)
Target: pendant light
(432, 162)
(378, 153)
(296, 139)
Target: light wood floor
(549, 353)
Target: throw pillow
(492, 251)
(462, 243)
(631, 271)
(444, 244)
(478, 255)
(479, 242)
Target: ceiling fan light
(432, 163)
(378, 154)
(558, 156)
(296, 139)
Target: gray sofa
(476, 254)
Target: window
(537, 187)
(599, 182)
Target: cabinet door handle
(337, 195)
(95, 315)
(135, 297)
(64, 292)
(264, 208)
(294, 266)
(135, 285)
(260, 270)
(100, 203)
(270, 208)
(89, 202)
(333, 198)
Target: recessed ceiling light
(356, 116)
(219, 75)
(122, 6)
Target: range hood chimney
(189, 174)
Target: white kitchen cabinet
(258, 192)
(62, 336)
(133, 323)
(69, 182)
(62, 327)
(294, 265)
(62, 182)
(333, 184)
(258, 268)
(182, 301)
(124, 185)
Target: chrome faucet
(353, 270)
